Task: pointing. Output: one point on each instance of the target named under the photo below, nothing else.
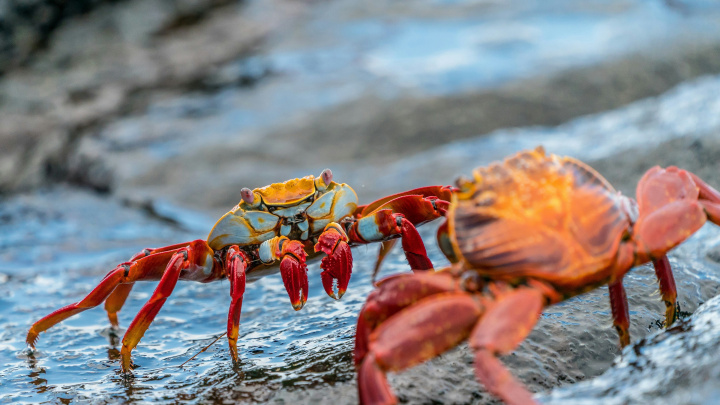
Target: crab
(283, 223)
(526, 233)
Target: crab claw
(337, 265)
(294, 272)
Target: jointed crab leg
(506, 323)
(397, 216)
(144, 318)
(195, 256)
(416, 334)
(115, 302)
(237, 262)
(146, 268)
(620, 312)
(95, 298)
(392, 295)
(668, 291)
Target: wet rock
(27, 25)
(677, 366)
(102, 66)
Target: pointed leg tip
(126, 371)
(31, 339)
(114, 320)
(340, 294)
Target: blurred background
(127, 124)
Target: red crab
(282, 222)
(526, 233)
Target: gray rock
(677, 366)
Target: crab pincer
(337, 265)
(293, 270)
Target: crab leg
(144, 318)
(337, 265)
(668, 291)
(194, 261)
(115, 302)
(412, 336)
(150, 267)
(620, 314)
(93, 299)
(144, 268)
(398, 218)
(416, 207)
(440, 192)
(506, 323)
(237, 262)
(392, 295)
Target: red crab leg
(669, 211)
(415, 334)
(337, 265)
(386, 223)
(506, 323)
(412, 208)
(144, 318)
(115, 302)
(150, 267)
(192, 259)
(620, 314)
(237, 262)
(385, 248)
(392, 295)
(673, 204)
(668, 291)
(146, 268)
(441, 192)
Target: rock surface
(678, 366)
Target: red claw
(337, 265)
(294, 273)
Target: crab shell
(540, 217)
(297, 208)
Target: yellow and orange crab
(283, 222)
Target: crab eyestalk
(250, 198)
(324, 180)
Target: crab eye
(326, 176)
(247, 195)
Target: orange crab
(526, 233)
(282, 222)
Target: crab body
(279, 225)
(547, 218)
(526, 233)
(299, 209)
